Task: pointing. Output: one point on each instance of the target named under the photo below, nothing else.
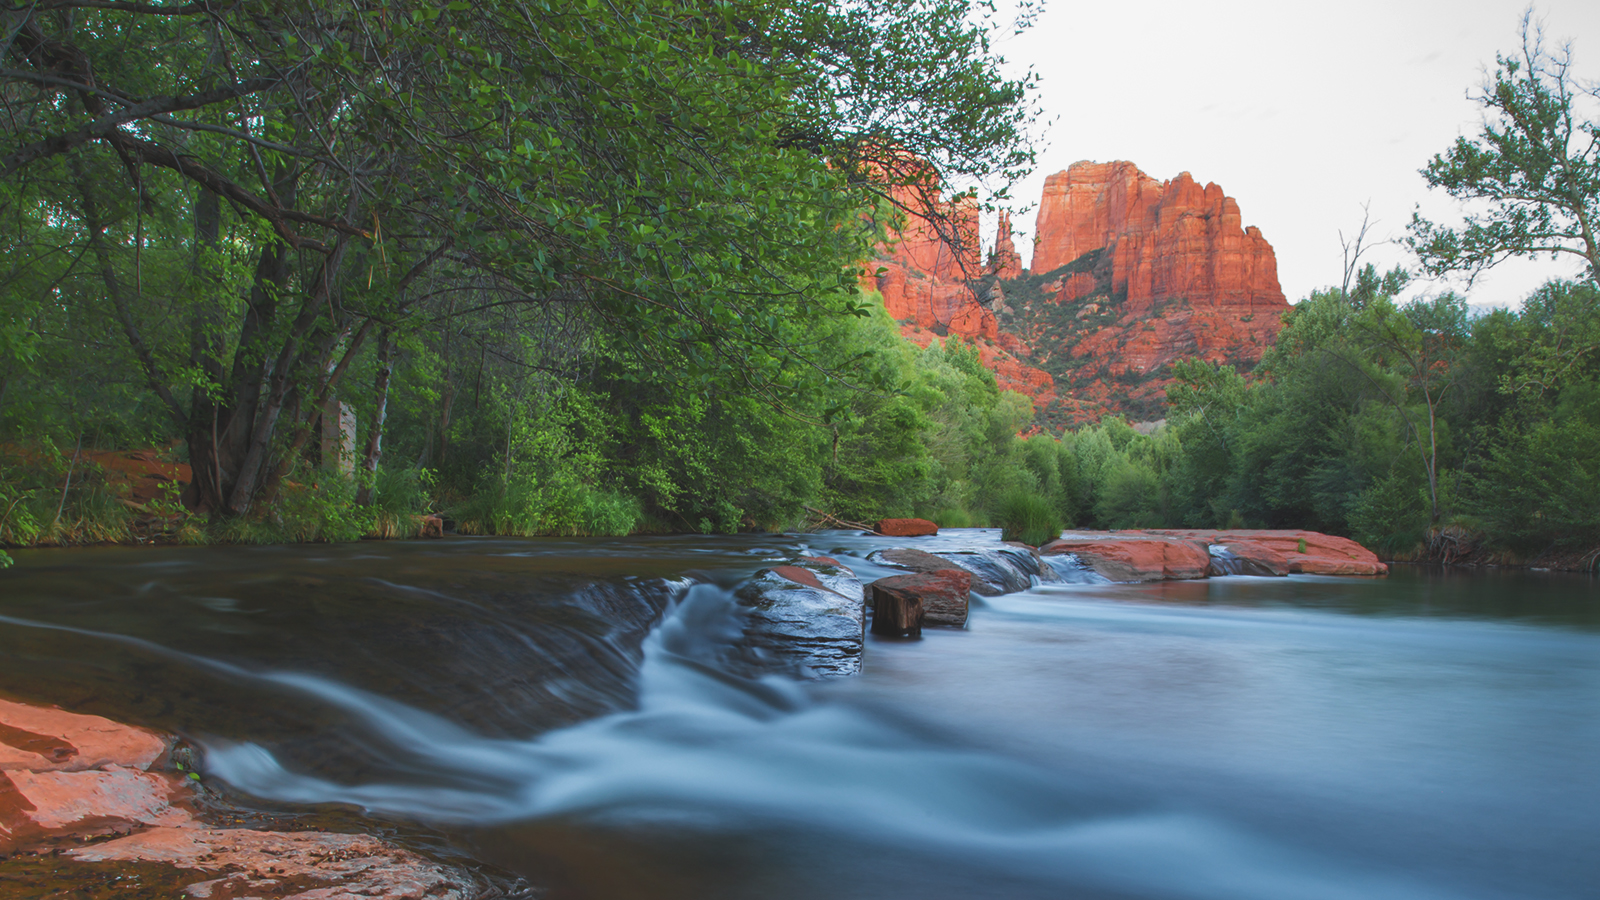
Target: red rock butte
(1165, 239)
(1129, 274)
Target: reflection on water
(1427, 735)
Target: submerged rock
(309, 865)
(807, 618)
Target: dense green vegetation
(1415, 428)
(571, 267)
(580, 268)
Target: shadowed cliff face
(1129, 275)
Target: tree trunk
(380, 411)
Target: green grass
(1027, 517)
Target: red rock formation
(1134, 556)
(1165, 240)
(1004, 260)
(67, 777)
(1166, 554)
(1308, 552)
(937, 237)
(1159, 271)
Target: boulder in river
(940, 594)
(906, 527)
(806, 618)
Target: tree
(1536, 164)
(1420, 343)
(680, 178)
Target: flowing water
(557, 708)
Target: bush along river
(633, 718)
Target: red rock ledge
(1163, 555)
(67, 776)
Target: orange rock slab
(1134, 557)
(68, 775)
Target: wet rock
(1135, 557)
(807, 618)
(234, 863)
(1247, 558)
(68, 776)
(906, 527)
(40, 739)
(88, 800)
(941, 595)
(1307, 552)
(995, 571)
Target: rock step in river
(66, 778)
(808, 617)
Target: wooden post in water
(895, 612)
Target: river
(556, 708)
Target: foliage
(1026, 516)
(1536, 164)
(249, 214)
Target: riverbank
(105, 809)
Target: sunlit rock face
(1129, 275)
(1005, 262)
(1164, 240)
(927, 272)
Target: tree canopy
(1535, 167)
(255, 200)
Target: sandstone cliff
(1129, 274)
(927, 273)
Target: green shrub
(523, 505)
(1027, 517)
(321, 511)
(399, 498)
(1391, 516)
(34, 509)
(954, 517)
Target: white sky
(1301, 111)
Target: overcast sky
(1301, 111)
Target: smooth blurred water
(1429, 735)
